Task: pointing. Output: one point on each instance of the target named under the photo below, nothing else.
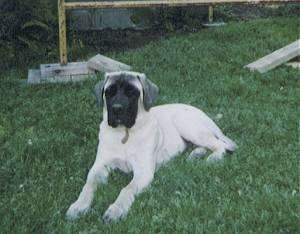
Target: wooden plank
(62, 32)
(210, 14)
(276, 58)
(34, 77)
(214, 24)
(56, 69)
(162, 3)
(294, 64)
(105, 64)
(66, 79)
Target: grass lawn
(48, 140)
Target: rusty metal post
(62, 32)
(210, 14)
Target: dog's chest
(139, 151)
(118, 154)
(125, 158)
(123, 165)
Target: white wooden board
(34, 77)
(276, 58)
(74, 68)
(105, 64)
(294, 64)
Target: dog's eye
(130, 91)
(111, 90)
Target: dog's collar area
(125, 138)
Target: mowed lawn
(48, 140)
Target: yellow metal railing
(63, 6)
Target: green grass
(48, 139)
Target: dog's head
(120, 94)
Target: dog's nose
(117, 108)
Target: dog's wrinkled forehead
(148, 90)
(123, 77)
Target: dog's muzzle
(119, 114)
(118, 111)
(117, 108)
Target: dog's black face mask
(122, 103)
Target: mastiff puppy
(135, 137)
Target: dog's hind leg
(197, 153)
(216, 155)
(198, 129)
(217, 147)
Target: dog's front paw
(113, 214)
(76, 210)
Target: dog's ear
(99, 89)
(150, 91)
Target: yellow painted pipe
(161, 3)
(63, 6)
(62, 32)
